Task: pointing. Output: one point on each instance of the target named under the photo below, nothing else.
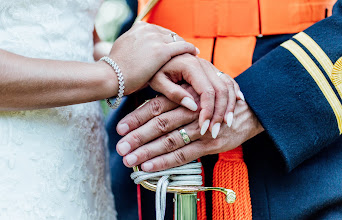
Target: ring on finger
(173, 35)
(185, 136)
(219, 73)
(146, 101)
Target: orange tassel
(231, 172)
(201, 208)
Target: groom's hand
(153, 139)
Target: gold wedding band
(146, 101)
(173, 35)
(185, 136)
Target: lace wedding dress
(53, 162)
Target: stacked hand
(169, 60)
(153, 139)
(210, 100)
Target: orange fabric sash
(203, 18)
(200, 21)
(235, 25)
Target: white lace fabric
(53, 162)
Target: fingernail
(216, 130)
(230, 117)
(147, 166)
(189, 103)
(198, 51)
(124, 148)
(131, 159)
(205, 126)
(242, 97)
(122, 128)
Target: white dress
(53, 162)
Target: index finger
(186, 67)
(142, 115)
(176, 158)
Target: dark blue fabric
(266, 44)
(148, 205)
(320, 67)
(133, 6)
(295, 169)
(124, 189)
(310, 190)
(290, 106)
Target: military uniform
(294, 87)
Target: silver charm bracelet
(120, 80)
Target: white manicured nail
(229, 119)
(189, 103)
(131, 159)
(216, 130)
(242, 97)
(205, 126)
(147, 166)
(123, 128)
(198, 51)
(124, 148)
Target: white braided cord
(186, 175)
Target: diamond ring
(219, 73)
(173, 35)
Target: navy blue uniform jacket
(295, 167)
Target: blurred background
(114, 18)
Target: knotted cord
(186, 175)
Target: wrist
(108, 81)
(120, 80)
(257, 128)
(102, 49)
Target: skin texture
(40, 83)
(215, 104)
(101, 48)
(157, 145)
(140, 53)
(197, 72)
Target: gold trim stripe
(316, 51)
(319, 78)
(320, 56)
(337, 76)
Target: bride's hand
(143, 50)
(218, 92)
